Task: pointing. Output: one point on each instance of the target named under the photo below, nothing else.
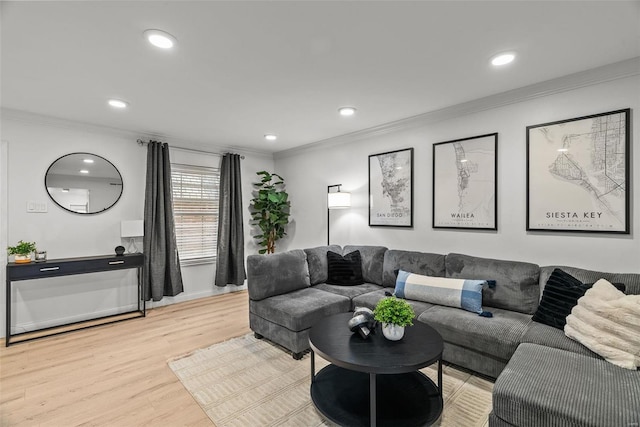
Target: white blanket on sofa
(608, 323)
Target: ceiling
(243, 69)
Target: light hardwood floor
(116, 375)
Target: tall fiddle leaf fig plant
(270, 210)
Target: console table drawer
(65, 267)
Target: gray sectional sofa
(542, 377)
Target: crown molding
(173, 141)
(606, 73)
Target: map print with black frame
(578, 174)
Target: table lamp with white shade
(131, 230)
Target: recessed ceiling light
(464, 161)
(88, 160)
(503, 59)
(118, 103)
(84, 171)
(270, 137)
(563, 150)
(160, 39)
(347, 111)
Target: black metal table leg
(139, 288)
(8, 313)
(313, 366)
(141, 292)
(440, 375)
(372, 399)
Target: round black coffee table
(398, 394)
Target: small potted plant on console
(394, 314)
(22, 251)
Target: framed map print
(465, 183)
(578, 174)
(391, 189)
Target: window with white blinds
(196, 198)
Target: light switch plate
(36, 206)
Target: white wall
(32, 147)
(3, 227)
(309, 171)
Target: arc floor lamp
(336, 200)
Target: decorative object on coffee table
(22, 251)
(394, 314)
(362, 322)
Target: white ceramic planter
(392, 332)
(22, 259)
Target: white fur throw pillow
(607, 322)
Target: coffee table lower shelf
(409, 399)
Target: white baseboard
(196, 295)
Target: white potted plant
(394, 314)
(22, 251)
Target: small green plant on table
(22, 248)
(395, 311)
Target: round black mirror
(83, 183)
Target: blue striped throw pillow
(459, 293)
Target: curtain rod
(141, 142)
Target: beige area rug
(250, 382)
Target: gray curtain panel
(230, 254)
(162, 275)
